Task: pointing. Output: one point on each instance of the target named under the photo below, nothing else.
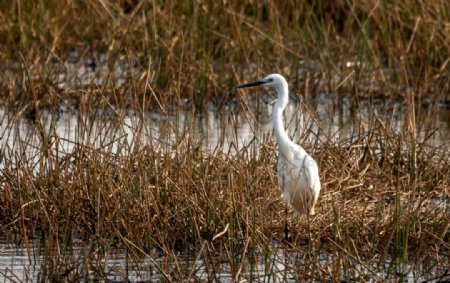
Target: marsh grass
(188, 50)
(384, 207)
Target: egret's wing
(280, 174)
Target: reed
(117, 183)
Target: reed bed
(198, 51)
(384, 208)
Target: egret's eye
(270, 80)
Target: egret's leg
(286, 230)
(309, 226)
(310, 247)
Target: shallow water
(227, 131)
(19, 264)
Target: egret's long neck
(277, 116)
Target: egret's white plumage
(297, 171)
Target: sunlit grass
(199, 51)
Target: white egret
(297, 171)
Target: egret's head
(272, 80)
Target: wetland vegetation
(122, 130)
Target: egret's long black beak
(251, 84)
